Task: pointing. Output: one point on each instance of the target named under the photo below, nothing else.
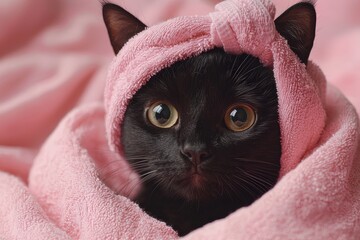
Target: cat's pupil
(239, 116)
(162, 113)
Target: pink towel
(66, 182)
(317, 196)
(239, 27)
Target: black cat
(203, 134)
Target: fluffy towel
(317, 197)
(239, 27)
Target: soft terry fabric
(239, 27)
(70, 194)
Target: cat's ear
(297, 25)
(120, 24)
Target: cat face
(206, 127)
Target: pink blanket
(54, 60)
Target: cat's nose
(196, 154)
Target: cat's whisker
(245, 76)
(122, 172)
(144, 178)
(233, 65)
(257, 161)
(239, 69)
(104, 169)
(241, 76)
(245, 184)
(258, 181)
(170, 182)
(265, 176)
(229, 187)
(137, 158)
(105, 175)
(220, 184)
(265, 172)
(158, 182)
(148, 173)
(125, 186)
(107, 165)
(131, 188)
(265, 169)
(258, 178)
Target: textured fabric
(319, 128)
(300, 96)
(62, 181)
(77, 196)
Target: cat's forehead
(213, 75)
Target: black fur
(236, 168)
(243, 166)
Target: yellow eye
(240, 117)
(162, 115)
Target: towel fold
(67, 179)
(70, 195)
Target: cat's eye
(240, 117)
(162, 114)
